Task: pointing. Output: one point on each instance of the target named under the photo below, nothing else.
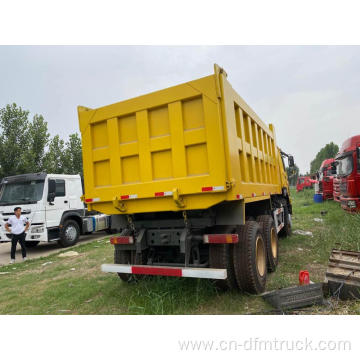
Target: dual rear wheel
(248, 261)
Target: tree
(54, 160)
(64, 157)
(73, 155)
(38, 140)
(26, 147)
(14, 140)
(327, 152)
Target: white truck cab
(52, 203)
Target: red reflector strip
(207, 188)
(212, 188)
(253, 194)
(121, 240)
(202, 273)
(239, 196)
(92, 200)
(126, 197)
(162, 271)
(221, 238)
(163, 193)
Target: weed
(35, 289)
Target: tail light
(115, 240)
(221, 238)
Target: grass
(77, 286)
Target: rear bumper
(202, 273)
(350, 204)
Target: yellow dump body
(187, 147)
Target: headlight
(351, 204)
(37, 229)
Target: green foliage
(26, 146)
(64, 157)
(292, 174)
(14, 139)
(327, 152)
(38, 138)
(55, 157)
(73, 155)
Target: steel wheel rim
(273, 243)
(260, 256)
(70, 233)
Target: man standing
(19, 225)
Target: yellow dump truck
(194, 181)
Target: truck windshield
(26, 192)
(344, 166)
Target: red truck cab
(304, 182)
(325, 177)
(348, 170)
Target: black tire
(286, 230)
(128, 257)
(271, 239)
(69, 233)
(221, 257)
(31, 244)
(250, 259)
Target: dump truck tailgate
(167, 144)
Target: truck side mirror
(291, 161)
(51, 190)
(358, 152)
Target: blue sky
(310, 93)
